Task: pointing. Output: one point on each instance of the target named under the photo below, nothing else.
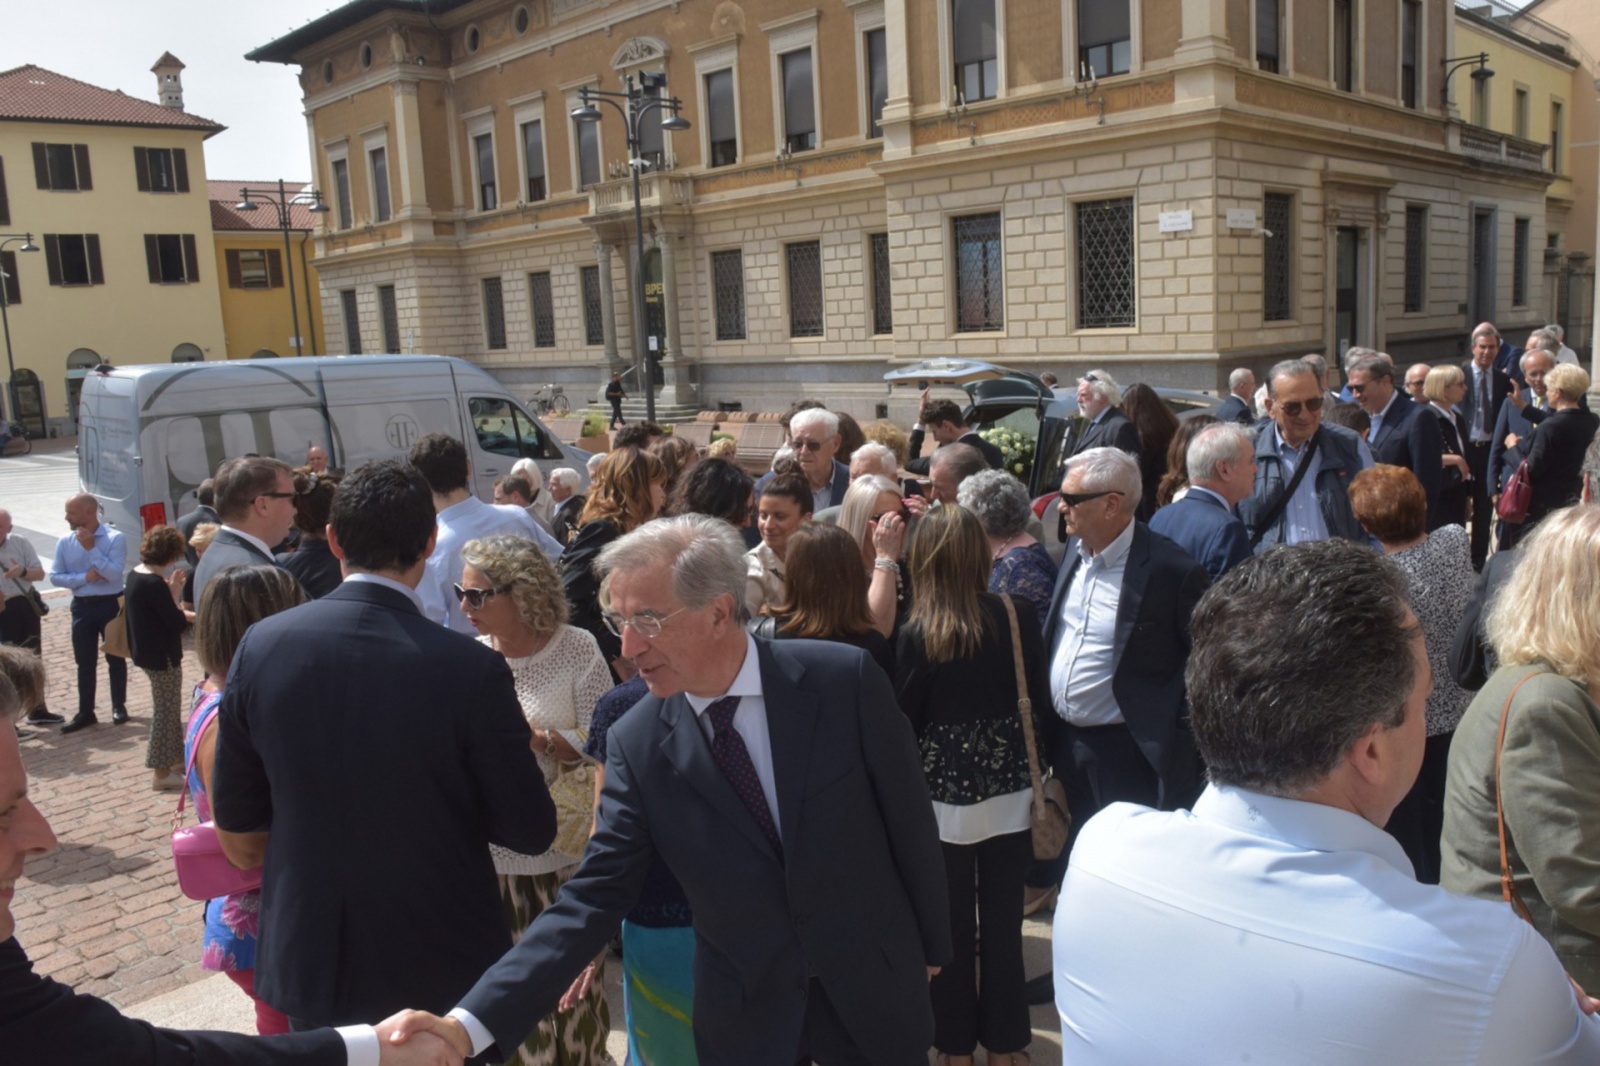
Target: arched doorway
(264, 353)
(188, 353)
(79, 362)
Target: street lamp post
(5, 319)
(1481, 72)
(282, 202)
(641, 97)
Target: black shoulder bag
(1275, 511)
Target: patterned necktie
(733, 759)
(1482, 416)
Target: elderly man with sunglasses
(1303, 466)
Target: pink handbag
(204, 872)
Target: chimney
(169, 83)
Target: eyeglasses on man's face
(647, 624)
(476, 598)
(1293, 408)
(808, 445)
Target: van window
(503, 428)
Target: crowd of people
(1297, 733)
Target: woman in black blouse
(1555, 462)
(825, 597)
(155, 629)
(311, 562)
(956, 681)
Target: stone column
(608, 307)
(679, 385)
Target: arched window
(264, 353)
(188, 353)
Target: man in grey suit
(255, 500)
(782, 786)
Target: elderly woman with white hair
(1555, 460)
(540, 508)
(1022, 566)
(875, 516)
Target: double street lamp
(283, 202)
(641, 97)
(5, 317)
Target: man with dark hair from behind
(1291, 920)
(637, 435)
(205, 497)
(352, 719)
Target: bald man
(90, 563)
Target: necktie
(733, 759)
(1481, 414)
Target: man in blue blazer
(1487, 389)
(1222, 471)
(814, 436)
(783, 787)
(370, 756)
(1515, 425)
(1402, 434)
(1240, 405)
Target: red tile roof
(224, 216)
(33, 94)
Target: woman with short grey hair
(1022, 567)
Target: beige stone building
(113, 190)
(1167, 188)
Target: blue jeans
(90, 616)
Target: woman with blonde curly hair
(628, 489)
(1530, 745)
(511, 594)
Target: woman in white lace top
(514, 597)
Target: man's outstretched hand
(417, 1037)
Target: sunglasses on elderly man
(808, 445)
(476, 598)
(1070, 500)
(1293, 408)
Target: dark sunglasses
(1294, 407)
(476, 598)
(1357, 390)
(277, 495)
(808, 445)
(1070, 500)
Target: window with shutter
(73, 259)
(61, 167)
(5, 202)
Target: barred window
(594, 329)
(352, 324)
(805, 288)
(1416, 256)
(1277, 305)
(494, 313)
(1107, 295)
(543, 304)
(391, 318)
(727, 281)
(980, 276)
(1519, 262)
(882, 293)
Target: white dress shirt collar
(363, 578)
(251, 539)
(1193, 488)
(747, 682)
(1312, 826)
(1113, 553)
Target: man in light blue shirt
(90, 563)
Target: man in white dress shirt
(1289, 924)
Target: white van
(148, 435)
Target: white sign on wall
(1241, 218)
(1175, 221)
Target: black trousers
(1477, 456)
(1098, 766)
(90, 616)
(1418, 821)
(616, 413)
(20, 626)
(979, 999)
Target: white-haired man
(1104, 425)
(568, 501)
(1222, 471)
(784, 789)
(1240, 405)
(870, 458)
(1563, 354)
(814, 436)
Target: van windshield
(502, 429)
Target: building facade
(113, 190)
(268, 286)
(1165, 188)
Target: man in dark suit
(381, 754)
(1222, 471)
(43, 1021)
(568, 503)
(943, 419)
(1104, 425)
(1240, 405)
(1118, 634)
(205, 497)
(814, 436)
(1402, 434)
(1487, 389)
(1507, 356)
(1515, 424)
(255, 499)
(784, 789)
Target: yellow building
(1166, 188)
(269, 289)
(113, 190)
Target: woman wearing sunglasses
(875, 516)
(511, 594)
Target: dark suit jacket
(43, 1021)
(1508, 361)
(1471, 658)
(1454, 490)
(227, 549)
(1503, 461)
(1234, 409)
(1112, 431)
(564, 519)
(1160, 586)
(858, 900)
(1499, 389)
(1409, 437)
(383, 752)
(1555, 462)
(1207, 529)
(838, 486)
(919, 464)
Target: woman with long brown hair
(1156, 425)
(956, 681)
(1175, 482)
(628, 490)
(825, 595)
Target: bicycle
(14, 440)
(551, 399)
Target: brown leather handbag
(1508, 885)
(1049, 818)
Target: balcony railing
(655, 190)
(1492, 147)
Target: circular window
(366, 56)
(520, 20)
(473, 39)
(327, 72)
